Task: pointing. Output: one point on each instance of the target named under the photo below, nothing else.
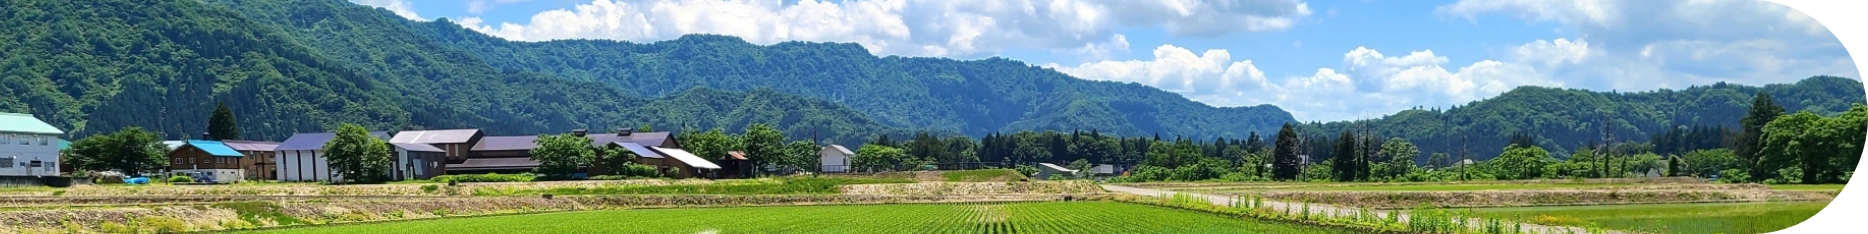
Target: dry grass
(975, 188)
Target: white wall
(303, 165)
(47, 154)
(220, 175)
(833, 160)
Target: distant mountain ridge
(306, 65)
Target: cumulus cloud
(400, 7)
(1641, 45)
(1367, 83)
(953, 28)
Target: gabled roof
(494, 163)
(736, 155)
(687, 158)
(251, 145)
(640, 150)
(504, 143)
(315, 141)
(446, 136)
(1056, 167)
(215, 148)
(840, 149)
(25, 123)
(417, 147)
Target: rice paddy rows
(1025, 217)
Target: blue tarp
(136, 180)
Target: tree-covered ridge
(99, 66)
(1565, 119)
(974, 97)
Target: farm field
(1808, 187)
(1668, 218)
(1031, 217)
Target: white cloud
(1552, 53)
(954, 28)
(400, 7)
(1367, 83)
(1643, 45)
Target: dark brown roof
(507, 143)
(736, 155)
(251, 145)
(495, 163)
(448, 136)
(503, 143)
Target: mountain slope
(974, 97)
(98, 66)
(1565, 119)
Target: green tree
(221, 124)
(800, 155)
(644, 128)
(1397, 158)
(357, 157)
(1751, 134)
(1708, 162)
(1344, 164)
(875, 156)
(712, 144)
(1438, 160)
(131, 151)
(765, 145)
(560, 155)
(613, 159)
(1284, 155)
(1082, 166)
(1521, 162)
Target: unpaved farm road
(1329, 209)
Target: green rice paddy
(1036, 217)
(1668, 218)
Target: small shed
(834, 159)
(1046, 170)
(417, 161)
(735, 165)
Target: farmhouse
(26, 147)
(300, 158)
(258, 162)
(210, 159)
(1046, 170)
(834, 158)
(513, 154)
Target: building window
(25, 140)
(5, 138)
(6, 162)
(45, 140)
(191, 160)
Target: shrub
(430, 188)
(181, 179)
(636, 170)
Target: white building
(301, 157)
(834, 159)
(28, 146)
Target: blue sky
(1320, 60)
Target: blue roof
(215, 148)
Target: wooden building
(258, 162)
(210, 159)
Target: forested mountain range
(306, 65)
(1562, 120)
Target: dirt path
(1327, 209)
